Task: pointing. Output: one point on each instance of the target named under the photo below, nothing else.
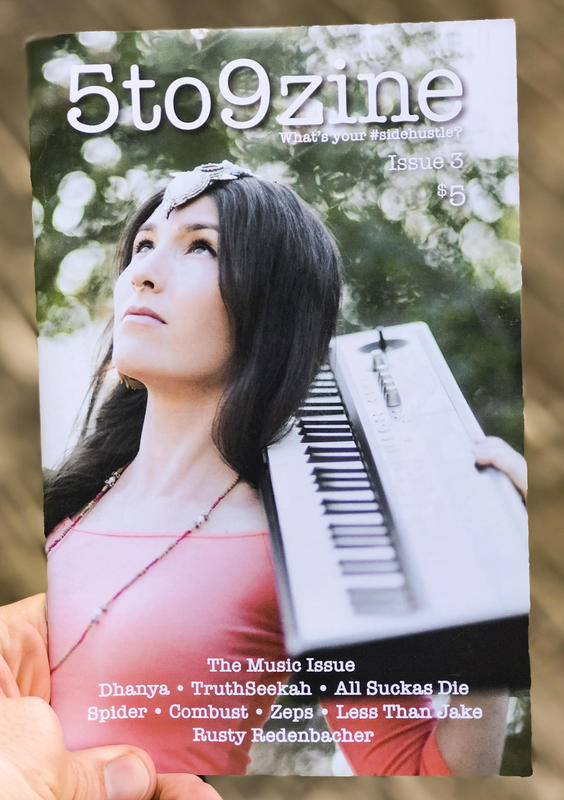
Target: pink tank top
(145, 674)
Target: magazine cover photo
(278, 301)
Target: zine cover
(374, 619)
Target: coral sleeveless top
(189, 661)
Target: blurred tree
(409, 253)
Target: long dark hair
(280, 280)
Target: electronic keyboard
(391, 547)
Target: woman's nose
(146, 272)
(140, 282)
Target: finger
(116, 773)
(8, 684)
(31, 740)
(23, 646)
(175, 786)
(497, 453)
(495, 457)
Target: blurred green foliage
(517, 753)
(409, 254)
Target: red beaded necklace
(198, 522)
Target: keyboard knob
(392, 397)
(378, 361)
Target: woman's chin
(159, 382)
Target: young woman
(161, 590)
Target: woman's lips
(142, 315)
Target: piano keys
(391, 547)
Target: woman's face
(171, 326)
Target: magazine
(278, 302)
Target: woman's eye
(202, 247)
(142, 245)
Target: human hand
(24, 662)
(496, 452)
(34, 762)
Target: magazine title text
(431, 91)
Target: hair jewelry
(184, 186)
(95, 620)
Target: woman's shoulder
(241, 513)
(58, 533)
(242, 510)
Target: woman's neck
(177, 474)
(176, 448)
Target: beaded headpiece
(184, 186)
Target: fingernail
(126, 778)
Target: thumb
(115, 773)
